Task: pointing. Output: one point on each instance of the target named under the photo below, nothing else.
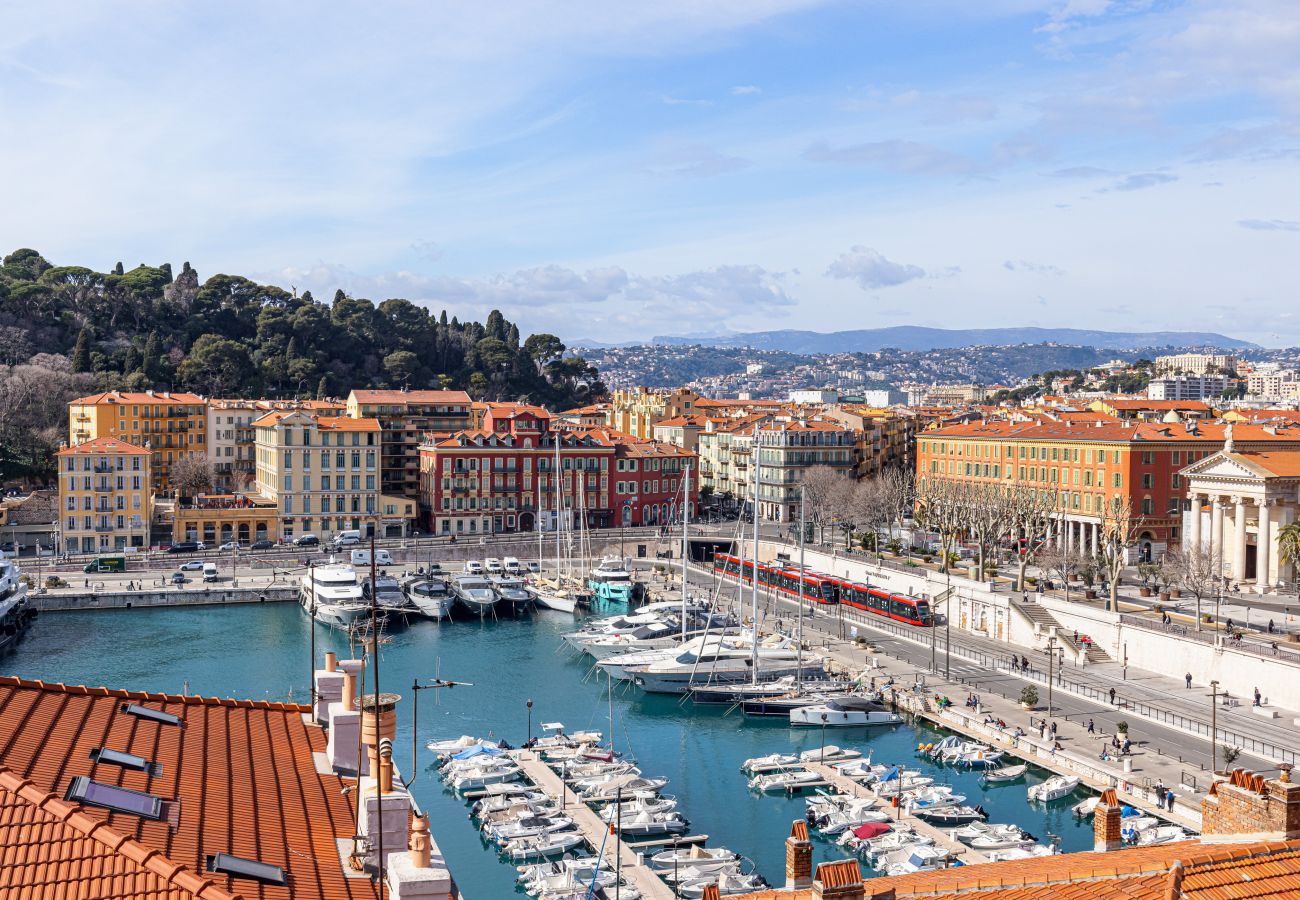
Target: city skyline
(608, 173)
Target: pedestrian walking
(1270, 626)
(1092, 729)
(1024, 663)
(1188, 679)
(1257, 696)
(1169, 800)
(1230, 626)
(1076, 635)
(1112, 696)
(1053, 729)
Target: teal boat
(611, 581)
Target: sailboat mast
(555, 476)
(754, 573)
(686, 521)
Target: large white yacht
(16, 614)
(723, 663)
(430, 596)
(332, 595)
(475, 594)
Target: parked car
(473, 567)
(493, 565)
(209, 571)
(262, 545)
(306, 540)
(179, 578)
(185, 547)
(194, 565)
(534, 566)
(347, 539)
(231, 545)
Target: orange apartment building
(1090, 464)
(171, 424)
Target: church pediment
(1225, 466)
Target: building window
(1148, 507)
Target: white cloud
(1021, 265)
(1141, 181)
(870, 269)
(1269, 224)
(905, 157)
(742, 89)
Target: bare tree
(824, 489)
(941, 506)
(1031, 522)
(988, 517)
(1196, 570)
(1118, 534)
(898, 494)
(1059, 563)
(870, 507)
(191, 475)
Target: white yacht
(388, 594)
(841, 712)
(16, 614)
(474, 593)
(332, 595)
(611, 581)
(512, 593)
(722, 663)
(430, 596)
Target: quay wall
(132, 599)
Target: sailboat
(561, 593)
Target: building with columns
(1238, 501)
(1091, 464)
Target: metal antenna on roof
(437, 683)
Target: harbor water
(262, 652)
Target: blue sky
(611, 171)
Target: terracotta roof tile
(105, 445)
(238, 776)
(410, 396)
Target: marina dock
(592, 827)
(941, 838)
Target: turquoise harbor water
(262, 651)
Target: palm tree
(1288, 543)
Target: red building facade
(517, 473)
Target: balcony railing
(103, 527)
(103, 488)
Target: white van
(493, 565)
(347, 538)
(209, 571)
(511, 566)
(362, 558)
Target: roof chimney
(1106, 822)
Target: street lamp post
(677, 888)
(529, 704)
(1214, 726)
(1051, 658)
(823, 750)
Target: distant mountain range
(914, 337)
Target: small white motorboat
(1160, 834)
(444, 749)
(531, 826)
(730, 884)
(919, 858)
(1005, 838)
(876, 848)
(787, 780)
(1054, 788)
(844, 712)
(829, 754)
(1011, 853)
(700, 858)
(757, 764)
(542, 846)
(1085, 807)
(1004, 774)
(934, 797)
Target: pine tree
(323, 388)
(81, 352)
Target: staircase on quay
(1036, 614)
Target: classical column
(1192, 531)
(1069, 536)
(1264, 547)
(1095, 528)
(1239, 541)
(1216, 530)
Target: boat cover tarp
(871, 830)
(476, 751)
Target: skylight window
(148, 712)
(125, 760)
(106, 796)
(238, 867)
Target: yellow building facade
(171, 425)
(105, 501)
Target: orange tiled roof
(346, 423)
(238, 777)
(1282, 463)
(1197, 405)
(1114, 430)
(105, 445)
(411, 396)
(1193, 870)
(156, 397)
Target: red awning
(870, 830)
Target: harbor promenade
(593, 828)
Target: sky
(612, 171)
